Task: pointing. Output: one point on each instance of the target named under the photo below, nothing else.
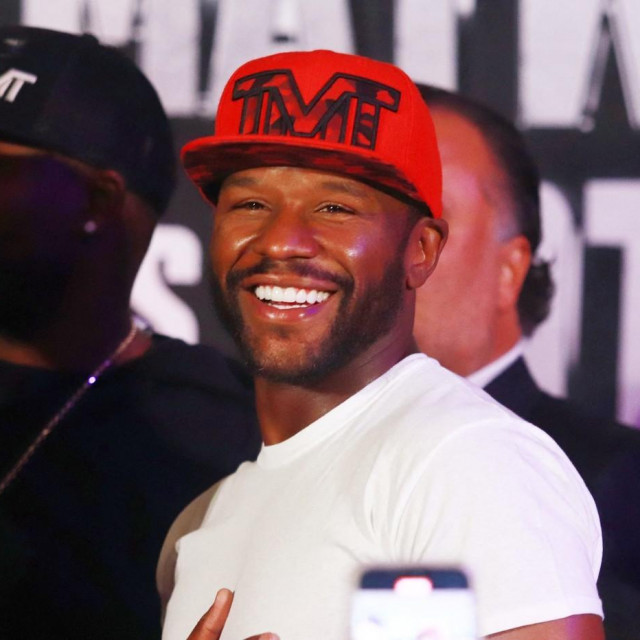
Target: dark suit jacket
(607, 456)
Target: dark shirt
(607, 456)
(82, 526)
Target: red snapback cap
(324, 110)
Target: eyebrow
(350, 187)
(239, 181)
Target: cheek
(41, 223)
(356, 249)
(467, 253)
(367, 255)
(226, 245)
(459, 262)
(215, 252)
(46, 203)
(464, 282)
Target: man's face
(308, 269)
(459, 310)
(42, 203)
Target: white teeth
(290, 295)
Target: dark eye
(251, 205)
(332, 207)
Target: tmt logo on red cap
(345, 110)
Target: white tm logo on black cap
(12, 81)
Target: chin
(289, 371)
(301, 369)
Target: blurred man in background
(489, 293)
(106, 429)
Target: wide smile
(290, 297)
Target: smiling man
(325, 177)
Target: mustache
(292, 266)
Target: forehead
(31, 175)
(299, 181)
(472, 177)
(461, 142)
(37, 157)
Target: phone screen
(413, 604)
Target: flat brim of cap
(208, 161)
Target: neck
(74, 344)
(503, 336)
(506, 338)
(285, 409)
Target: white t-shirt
(420, 466)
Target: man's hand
(211, 624)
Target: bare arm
(581, 627)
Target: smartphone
(413, 603)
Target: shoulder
(442, 419)
(174, 359)
(458, 471)
(497, 478)
(189, 520)
(592, 443)
(453, 431)
(516, 389)
(438, 403)
(194, 403)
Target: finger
(265, 636)
(211, 624)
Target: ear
(106, 201)
(515, 260)
(426, 241)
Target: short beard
(355, 328)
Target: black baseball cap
(71, 95)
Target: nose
(286, 233)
